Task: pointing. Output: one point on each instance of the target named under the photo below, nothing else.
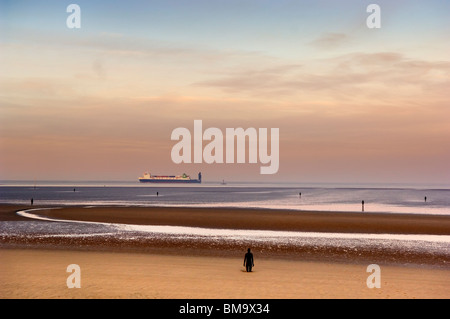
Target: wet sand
(238, 219)
(261, 219)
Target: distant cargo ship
(148, 178)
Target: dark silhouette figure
(248, 261)
(425, 199)
(32, 200)
(74, 189)
(362, 205)
(300, 195)
(157, 194)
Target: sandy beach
(111, 268)
(42, 274)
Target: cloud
(98, 68)
(356, 74)
(329, 41)
(134, 47)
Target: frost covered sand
(42, 274)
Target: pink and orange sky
(353, 104)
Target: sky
(352, 104)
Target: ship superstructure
(149, 178)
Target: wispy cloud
(329, 41)
(343, 75)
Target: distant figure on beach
(425, 199)
(32, 200)
(74, 189)
(362, 205)
(248, 261)
(300, 195)
(157, 194)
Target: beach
(42, 274)
(140, 265)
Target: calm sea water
(319, 197)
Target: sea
(388, 198)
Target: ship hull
(162, 181)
